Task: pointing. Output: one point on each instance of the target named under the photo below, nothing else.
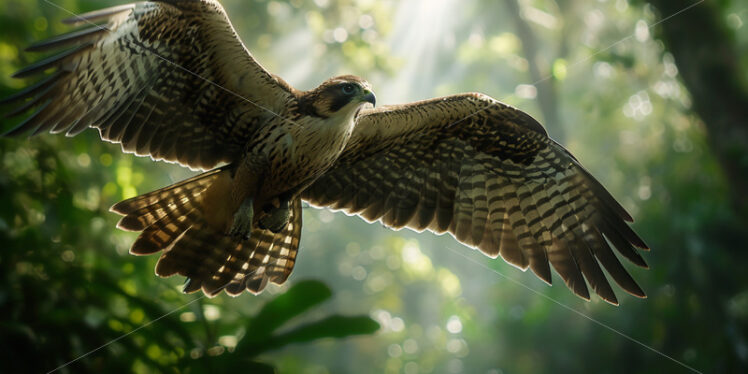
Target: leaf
(299, 298)
(331, 327)
(225, 363)
(335, 326)
(254, 367)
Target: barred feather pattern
(489, 175)
(166, 79)
(171, 222)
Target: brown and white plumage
(170, 221)
(170, 79)
(489, 175)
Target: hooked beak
(369, 97)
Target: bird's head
(343, 95)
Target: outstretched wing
(169, 79)
(488, 174)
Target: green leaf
(299, 298)
(225, 363)
(331, 327)
(254, 367)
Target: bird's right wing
(169, 79)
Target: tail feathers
(162, 233)
(172, 221)
(141, 211)
(213, 261)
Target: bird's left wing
(169, 79)
(489, 175)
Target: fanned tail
(172, 220)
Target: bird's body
(288, 153)
(171, 80)
(302, 145)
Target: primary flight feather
(170, 79)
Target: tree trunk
(543, 81)
(708, 62)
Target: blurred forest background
(652, 101)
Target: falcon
(170, 79)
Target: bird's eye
(348, 88)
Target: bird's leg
(245, 184)
(242, 224)
(276, 217)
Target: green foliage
(261, 335)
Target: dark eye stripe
(339, 100)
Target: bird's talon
(241, 227)
(276, 218)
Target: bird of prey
(171, 80)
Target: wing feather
(480, 204)
(542, 238)
(153, 70)
(429, 195)
(98, 15)
(489, 175)
(64, 40)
